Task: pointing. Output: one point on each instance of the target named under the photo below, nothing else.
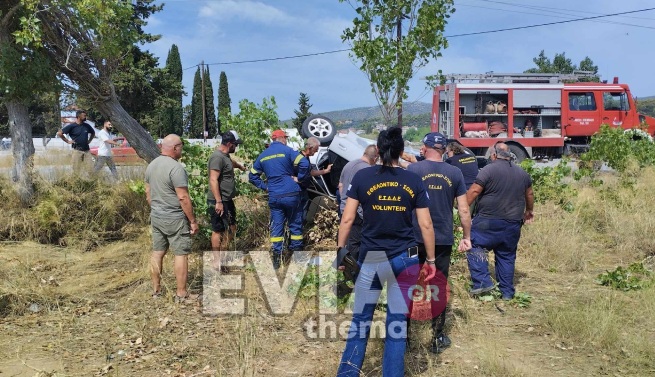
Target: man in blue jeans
(506, 203)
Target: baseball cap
(435, 140)
(278, 133)
(231, 137)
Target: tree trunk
(22, 147)
(135, 134)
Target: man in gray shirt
(506, 202)
(347, 173)
(171, 216)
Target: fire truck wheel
(320, 127)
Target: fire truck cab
(537, 115)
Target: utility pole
(204, 110)
(399, 35)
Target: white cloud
(246, 10)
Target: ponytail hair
(390, 147)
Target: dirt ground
(73, 313)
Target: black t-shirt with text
(444, 183)
(468, 164)
(388, 197)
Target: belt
(80, 148)
(213, 201)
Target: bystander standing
(171, 216)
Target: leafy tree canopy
(388, 61)
(562, 64)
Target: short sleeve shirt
(79, 133)
(163, 175)
(503, 191)
(105, 148)
(222, 163)
(347, 174)
(387, 199)
(468, 164)
(443, 183)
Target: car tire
(518, 152)
(319, 127)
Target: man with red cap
(279, 163)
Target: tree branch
(10, 13)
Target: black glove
(346, 259)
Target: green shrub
(549, 183)
(617, 147)
(634, 277)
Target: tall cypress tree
(212, 126)
(224, 101)
(195, 130)
(302, 113)
(171, 118)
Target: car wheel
(518, 152)
(319, 127)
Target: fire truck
(537, 115)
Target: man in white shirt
(104, 151)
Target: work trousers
(286, 210)
(501, 236)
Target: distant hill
(359, 115)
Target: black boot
(439, 343)
(277, 260)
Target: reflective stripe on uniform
(253, 171)
(279, 155)
(295, 238)
(297, 160)
(278, 239)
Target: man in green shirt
(222, 211)
(171, 216)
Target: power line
(447, 36)
(548, 23)
(551, 13)
(556, 10)
(277, 58)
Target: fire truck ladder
(448, 120)
(519, 78)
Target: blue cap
(435, 140)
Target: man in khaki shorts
(171, 216)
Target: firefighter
(278, 162)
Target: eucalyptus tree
(91, 42)
(25, 73)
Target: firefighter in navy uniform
(279, 162)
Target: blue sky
(219, 31)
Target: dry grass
(73, 211)
(95, 309)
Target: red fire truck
(537, 115)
